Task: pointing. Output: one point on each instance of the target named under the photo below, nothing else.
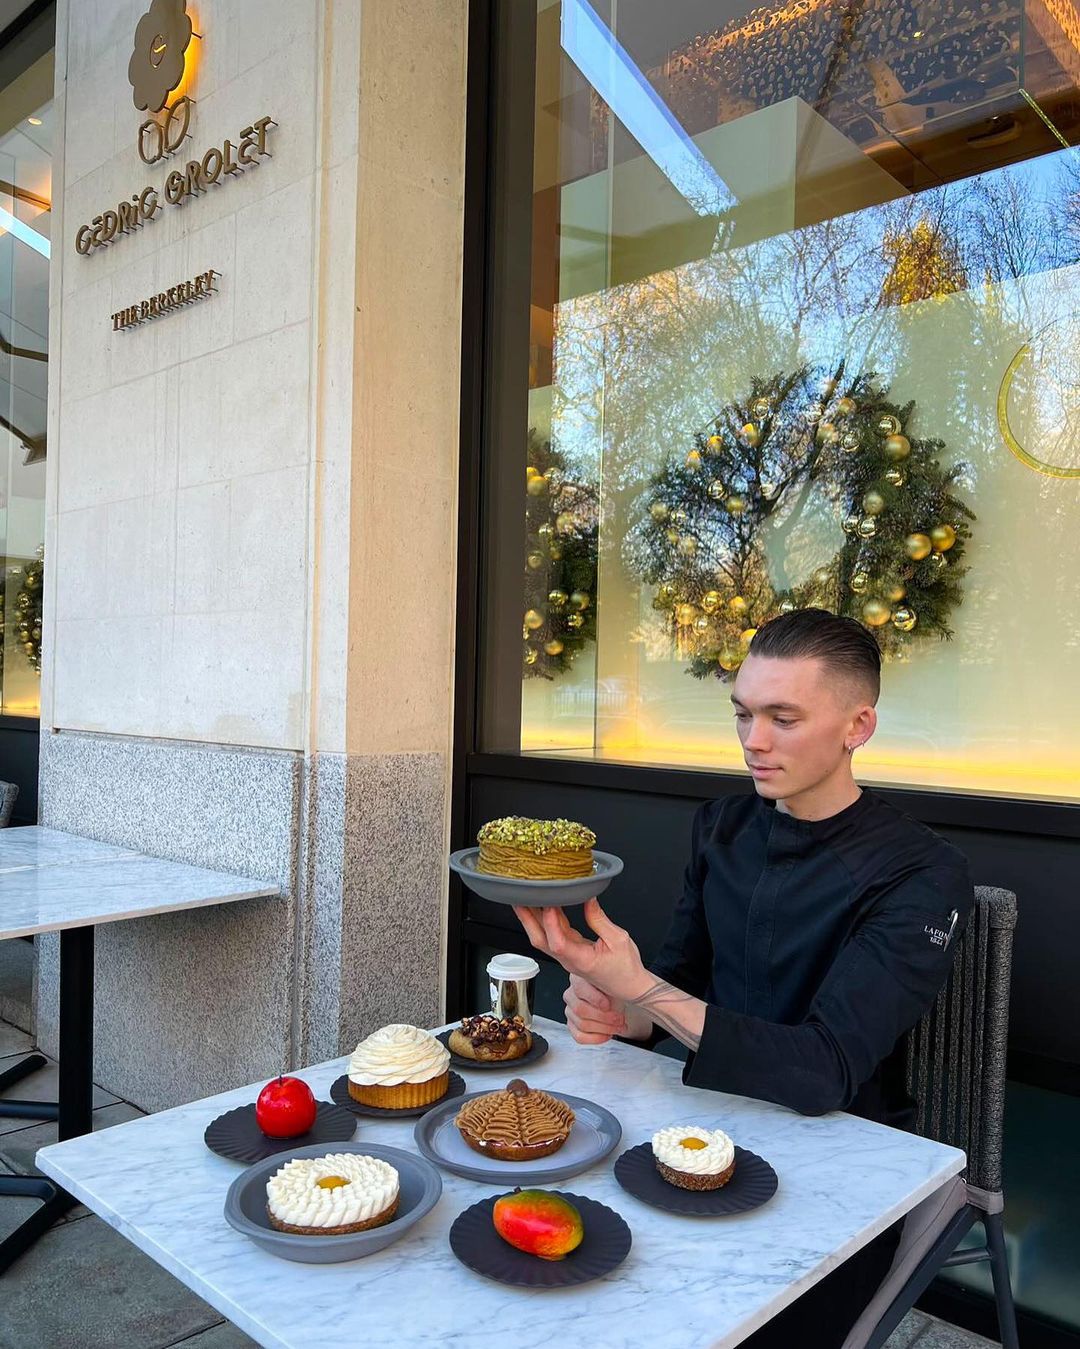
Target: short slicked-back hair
(843, 645)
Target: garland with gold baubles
(27, 610)
(561, 530)
(901, 528)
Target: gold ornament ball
(895, 592)
(751, 435)
(536, 485)
(729, 658)
(672, 535)
(555, 552)
(859, 581)
(693, 459)
(738, 605)
(530, 472)
(685, 614)
(904, 618)
(867, 527)
(533, 619)
(828, 433)
(760, 408)
(876, 612)
(888, 425)
(557, 599)
(580, 599)
(714, 443)
(687, 545)
(710, 601)
(918, 546)
(788, 606)
(895, 476)
(873, 503)
(845, 407)
(897, 447)
(701, 623)
(575, 621)
(679, 516)
(535, 561)
(823, 576)
(941, 536)
(849, 442)
(717, 490)
(546, 530)
(564, 523)
(658, 511)
(666, 593)
(735, 504)
(937, 561)
(747, 636)
(530, 656)
(554, 647)
(850, 523)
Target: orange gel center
(694, 1144)
(331, 1182)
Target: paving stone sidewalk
(82, 1286)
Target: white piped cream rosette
(339, 1190)
(709, 1153)
(396, 1054)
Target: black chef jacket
(816, 944)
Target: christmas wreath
(901, 530)
(561, 526)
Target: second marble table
(51, 881)
(686, 1284)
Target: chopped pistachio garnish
(538, 836)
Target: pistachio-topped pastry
(536, 850)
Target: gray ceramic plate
(596, 1132)
(535, 894)
(245, 1206)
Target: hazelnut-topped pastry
(536, 850)
(516, 1124)
(491, 1038)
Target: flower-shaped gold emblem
(156, 67)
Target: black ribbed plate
(752, 1183)
(236, 1134)
(606, 1244)
(339, 1092)
(537, 1050)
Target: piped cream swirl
(396, 1054)
(716, 1156)
(294, 1196)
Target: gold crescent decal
(1025, 456)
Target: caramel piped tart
(490, 1038)
(517, 1124)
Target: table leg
(76, 1104)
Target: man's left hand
(611, 963)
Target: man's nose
(757, 740)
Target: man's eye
(784, 721)
(742, 716)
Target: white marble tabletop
(686, 1284)
(50, 880)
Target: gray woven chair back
(956, 1053)
(8, 792)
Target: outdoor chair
(8, 792)
(956, 1074)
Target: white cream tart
(397, 1054)
(327, 1196)
(694, 1158)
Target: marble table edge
(259, 890)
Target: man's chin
(770, 786)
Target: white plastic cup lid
(510, 966)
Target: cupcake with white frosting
(332, 1195)
(398, 1067)
(694, 1158)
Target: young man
(816, 926)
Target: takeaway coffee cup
(513, 980)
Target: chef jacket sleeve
(884, 978)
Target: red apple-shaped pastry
(539, 1223)
(285, 1108)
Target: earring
(852, 748)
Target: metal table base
(74, 1110)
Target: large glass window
(799, 325)
(26, 129)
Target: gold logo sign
(162, 36)
(200, 287)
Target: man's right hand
(593, 1017)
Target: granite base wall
(194, 1003)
